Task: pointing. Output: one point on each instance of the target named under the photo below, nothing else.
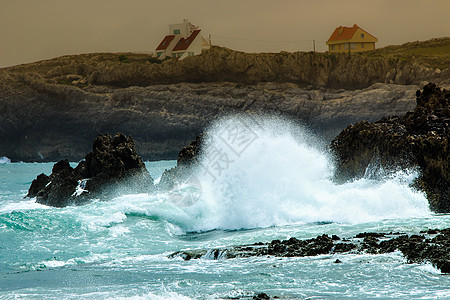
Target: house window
(190, 53)
(362, 45)
(362, 35)
(174, 55)
(352, 46)
(346, 46)
(159, 54)
(176, 31)
(332, 47)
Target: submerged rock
(112, 168)
(416, 140)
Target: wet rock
(261, 296)
(370, 234)
(343, 247)
(335, 237)
(187, 157)
(112, 168)
(418, 139)
(415, 248)
(115, 163)
(189, 154)
(37, 185)
(62, 187)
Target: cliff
(52, 109)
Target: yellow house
(351, 39)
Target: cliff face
(56, 122)
(51, 110)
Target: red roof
(165, 42)
(183, 44)
(345, 33)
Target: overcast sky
(32, 30)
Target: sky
(32, 30)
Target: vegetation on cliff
(406, 64)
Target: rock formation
(429, 246)
(187, 157)
(112, 168)
(418, 139)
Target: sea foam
(263, 171)
(4, 160)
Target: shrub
(154, 60)
(123, 58)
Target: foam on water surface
(262, 172)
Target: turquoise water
(278, 188)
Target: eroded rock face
(418, 139)
(112, 168)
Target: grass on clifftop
(433, 53)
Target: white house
(184, 40)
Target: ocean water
(259, 179)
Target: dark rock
(418, 139)
(83, 169)
(37, 185)
(337, 261)
(335, 237)
(113, 163)
(343, 247)
(415, 248)
(442, 264)
(370, 241)
(261, 296)
(370, 234)
(187, 157)
(189, 154)
(61, 190)
(112, 168)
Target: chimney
(341, 30)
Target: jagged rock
(434, 248)
(418, 139)
(189, 154)
(187, 157)
(114, 161)
(62, 187)
(112, 167)
(37, 185)
(261, 296)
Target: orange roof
(165, 42)
(183, 44)
(345, 33)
